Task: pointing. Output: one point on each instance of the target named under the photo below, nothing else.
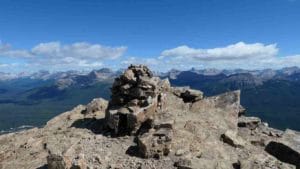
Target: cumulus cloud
(139, 60)
(55, 54)
(236, 51)
(83, 55)
(6, 50)
(238, 55)
(80, 50)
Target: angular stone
(230, 137)
(183, 163)
(287, 148)
(164, 85)
(163, 120)
(242, 110)
(179, 152)
(249, 122)
(187, 94)
(129, 76)
(56, 162)
(98, 104)
(270, 131)
(155, 143)
(262, 161)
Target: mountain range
(148, 123)
(32, 99)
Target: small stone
(179, 152)
(55, 162)
(230, 137)
(199, 155)
(242, 110)
(187, 94)
(183, 163)
(96, 105)
(249, 122)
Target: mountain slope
(275, 100)
(270, 94)
(161, 131)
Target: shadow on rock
(284, 153)
(134, 151)
(97, 126)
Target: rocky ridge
(149, 124)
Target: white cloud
(82, 55)
(6, 50)
(139, 60)
(57, 55)
(81, 50)
(238, 55)
(236, 51)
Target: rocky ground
(149, 124)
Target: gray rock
(242, 110)
(97, 105)
(250, 122)
(286, 149)
(231, 138)
(155, 143)
(179, 152)
(56, 162)
(183, 163)
(187, 94)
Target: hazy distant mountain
(33, 99)
(6, 76)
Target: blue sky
(90, 34)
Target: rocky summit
(148, 124)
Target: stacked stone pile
(134, 100)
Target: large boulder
(286, 149)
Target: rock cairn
(136, 107)
(134, 100)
